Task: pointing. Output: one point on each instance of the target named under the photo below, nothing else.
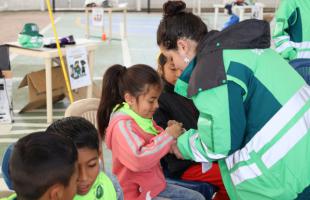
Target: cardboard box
(37, 89)
(81, 93)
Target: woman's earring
(186, 60)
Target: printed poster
(97, 16)
(78, 68)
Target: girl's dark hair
(118, 80)
(177, 23)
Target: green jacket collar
(209, 71)
(181, 85)
(186, 74)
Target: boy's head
(84, 135)
(167, 70)
(43, 167)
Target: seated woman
(175, 107)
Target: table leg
(216, 13)
(138, 3)
(148, 6)
(241, 16)
(49, 96)
(90, 64)
(199, 7)
(125, 23)
(87, 23)
(110, 25)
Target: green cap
(31, 29)
(30, 36)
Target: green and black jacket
(254, 114)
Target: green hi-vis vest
(102, 189)
(11, 197)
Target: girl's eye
(92, 165)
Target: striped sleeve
(281, 37)
(134, 152)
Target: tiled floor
(139, 47)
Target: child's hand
(175, 130)
(170, 122)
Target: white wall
(37, 4)
(22, 4)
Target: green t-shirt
(11, 197)
(102, 189)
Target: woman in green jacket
(254, 115)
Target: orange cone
(103, 37)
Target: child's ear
(129, 99)
(56, 192)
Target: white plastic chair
(86, 108)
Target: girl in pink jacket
(128, 103)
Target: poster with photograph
(78, 69)
(97, 16)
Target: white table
(119, 7)
(49, 54)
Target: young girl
(128, 102)
(169, 109)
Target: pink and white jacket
(136, 156)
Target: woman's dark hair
(177, 23)
(82, 132)
(118, 80)
(39, 161)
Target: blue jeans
(117, 187)
(175, 192)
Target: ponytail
(110, 95)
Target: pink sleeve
(133, 151)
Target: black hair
(81, 131)
(39, 161)
(177, 23)
(162, 60)
(118, 80)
